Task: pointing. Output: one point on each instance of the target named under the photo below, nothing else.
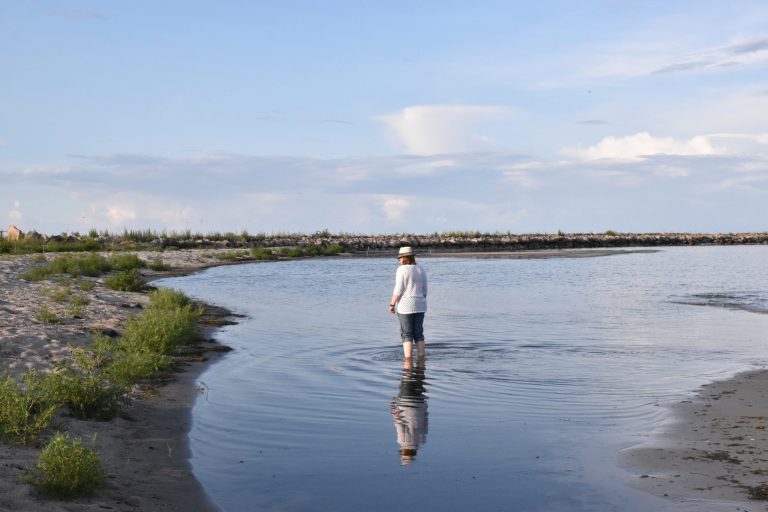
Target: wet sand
(714, 450)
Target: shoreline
(713, 448)
(145, 450)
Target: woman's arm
(393, 302)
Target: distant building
(14, 233)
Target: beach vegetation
(312, 250)
(611, 232)
(229, 255)
(25, 410)
(84, 284)
(76, 311)
(46, 316)
(67, 468)
(159, 330)
(61, 294)
(89, 265)
(126, 368)
(83, 386)
(36, 274)
(262, 254)
(80, 300)
(125, 262)
(127, 281)
(158, 265)
(166, 298)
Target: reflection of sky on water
(539, 372)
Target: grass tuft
(261, 254)
(127, 281)
(25, 411)
(48, 317)
(67, 468)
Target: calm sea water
(538, 373)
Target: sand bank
(145, 450)
(713, 454)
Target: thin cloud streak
(487, 191)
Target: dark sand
(714, 451)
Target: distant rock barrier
(384, 244)
(512, 242)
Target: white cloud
(426, 168)
(17, 204)
(640, 145)
(15, 216)
(118, 215)
(436, 129)
(394, 208)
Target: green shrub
(116, 364)
(126, 368)
(36, 274)
(83, 284)
(89, 395)
(61, 294)
(91, 265)
(76, 311)
(291, 252)
(126, 262)
(24, 412)
(127, 281)
(158, 264)
(80, 300)
(166, 298)
(159, 330)
(67, 469)
(333, 249)
(47, 316)
(84, 386)
(260, 253)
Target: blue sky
(373, 117)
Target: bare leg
(408, 349)
(421, 348)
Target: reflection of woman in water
(409, 411)
(409, 301)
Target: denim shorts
(411, 326)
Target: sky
(373, 117)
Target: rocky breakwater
(385, 243)
(514, 242)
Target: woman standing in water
(409, 301)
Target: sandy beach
(144, 450)
(711, 449)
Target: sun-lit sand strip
(715, 448)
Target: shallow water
(538, 373)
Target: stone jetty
(385, 243)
